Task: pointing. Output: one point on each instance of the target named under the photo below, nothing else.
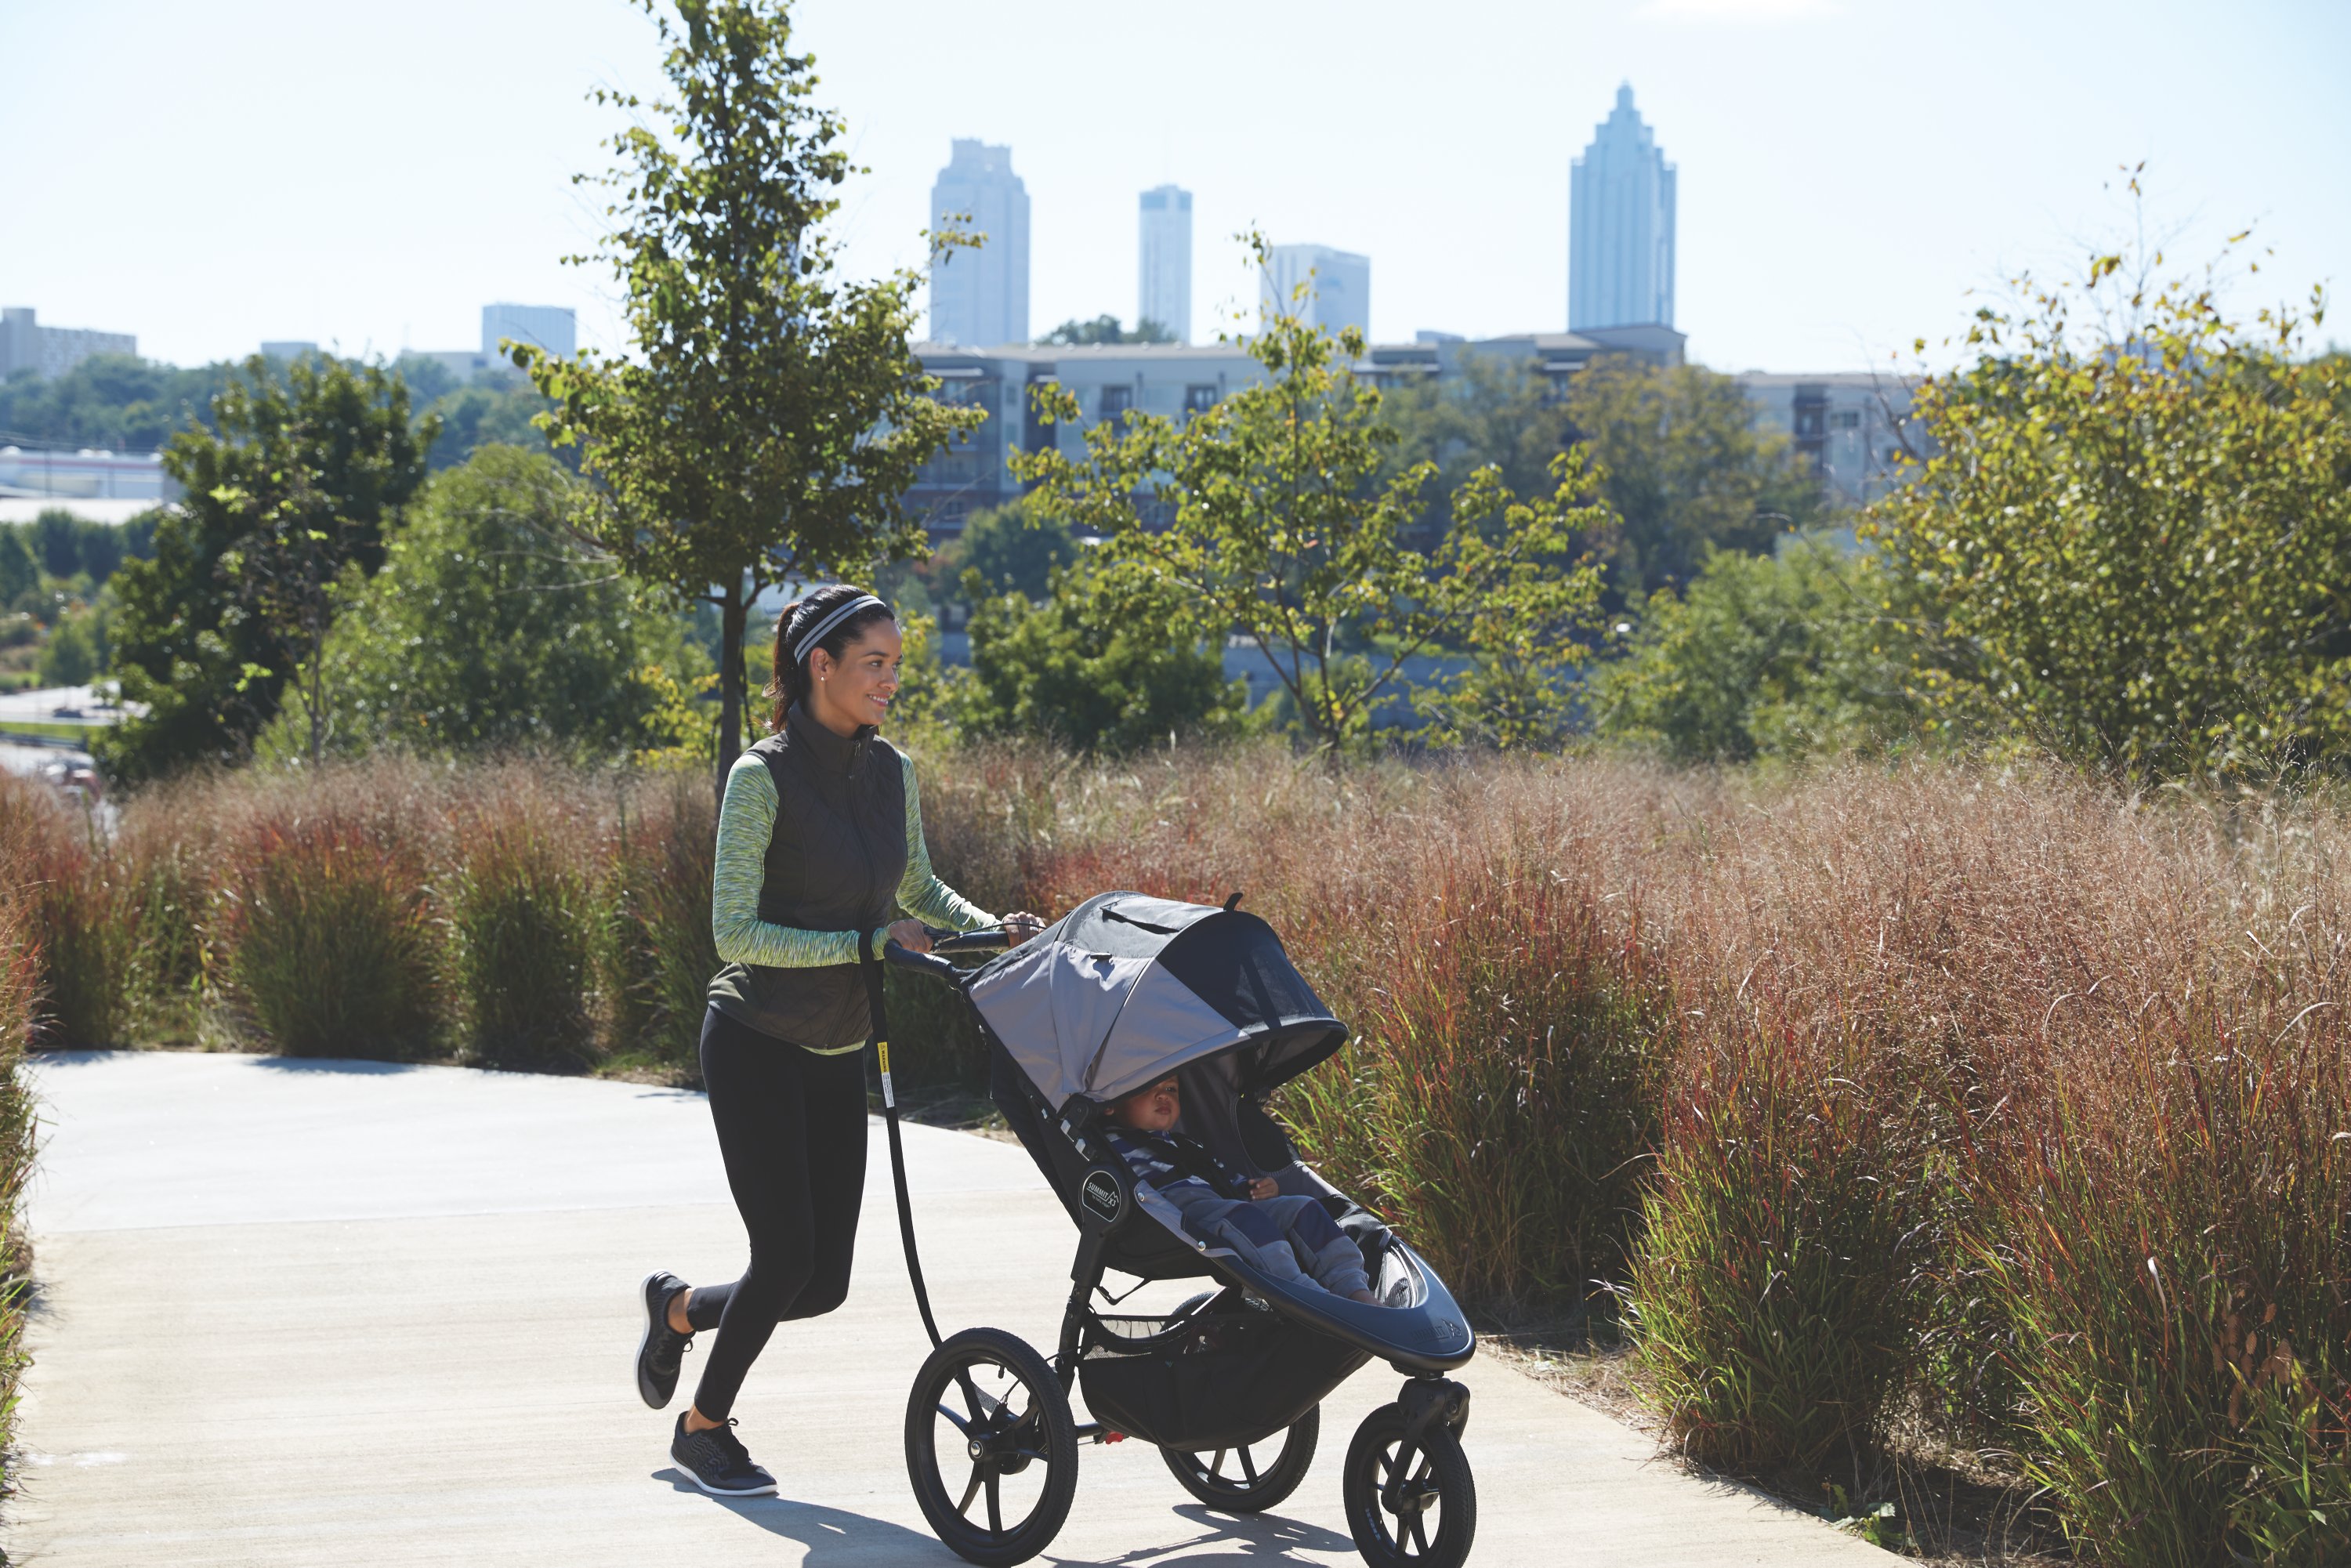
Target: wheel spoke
(1216, 1465)
(1387, 1468)
(972, 1491)
(960, 1424)
(995, 1507)
(1419, 1537)
(1247, 1469)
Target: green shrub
(332, 943)
(523, 919)
(1779, 655)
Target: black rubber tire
(1438, 1468)
(1254, 1489)
(1044, 1431)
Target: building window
(1116, 402)
(1846, 419)
(1199, 398)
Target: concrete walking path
(311, 1312)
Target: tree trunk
(733, 612)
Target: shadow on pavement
(1226, 1538)
(831, 1535)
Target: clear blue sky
(210, 175)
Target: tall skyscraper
(980, 297)
(551, 327)
(1339, 283)
(1620, 228)
(1163, 288)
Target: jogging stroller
(1123, 991)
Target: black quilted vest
(834, 864)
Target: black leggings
(791, 1128)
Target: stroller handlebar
(907, 958)
(987, 939)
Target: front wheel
(1409, 1503)
(988, 1425)
(1246, 1478)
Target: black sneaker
(716, 1461)
(658, 1352)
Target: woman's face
(856, 688)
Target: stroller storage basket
(1232, 1379)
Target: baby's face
(1154, 1110)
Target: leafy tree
(301, 483)
(20, 573)
(74, 652)
(1683, 469)
(2134, 534)
(491, 410)
(1014, 550)
(489, 625)
(1278, 524)
(67, 546)
(772, 418)
(1090, 667)
(113, 401)
(1783, 654)
(1104, 329)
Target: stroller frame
(1167, 1379)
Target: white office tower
(1620, 228)
(1338, 288)
(980, 297)
(549, 327)
(1163, 287)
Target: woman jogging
(819, 832)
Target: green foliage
(1095, 667)
(523, 918)
(769, 418)
(490, 626)
(20, 573)
(303, 482)
(1278, 525)
(1679, 462)
(75, 650)
(493, 411)
(1014, 550)
(2132, 534)
(1772, 1304)
(1775, 655)
(1104, 329)
(112, 400)
(660, 955)
(333, 951)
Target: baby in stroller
(1292, 1238)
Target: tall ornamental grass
(1916, 1108)
(333, 950)
(72, 909)
(20, 969)
(524, 920)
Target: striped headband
(805, 644)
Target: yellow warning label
(883, 1046)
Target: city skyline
(1850, 170)
(1162, 284)
(979, 294)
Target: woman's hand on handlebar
(1020, 926)
(909, 934)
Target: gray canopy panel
(1125, 989)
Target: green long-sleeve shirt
(746, 821)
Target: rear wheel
(991, 1447)
(1409, 1505)
(1250, 1477)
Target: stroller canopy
(1124, 989)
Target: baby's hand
(1264, 1186)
